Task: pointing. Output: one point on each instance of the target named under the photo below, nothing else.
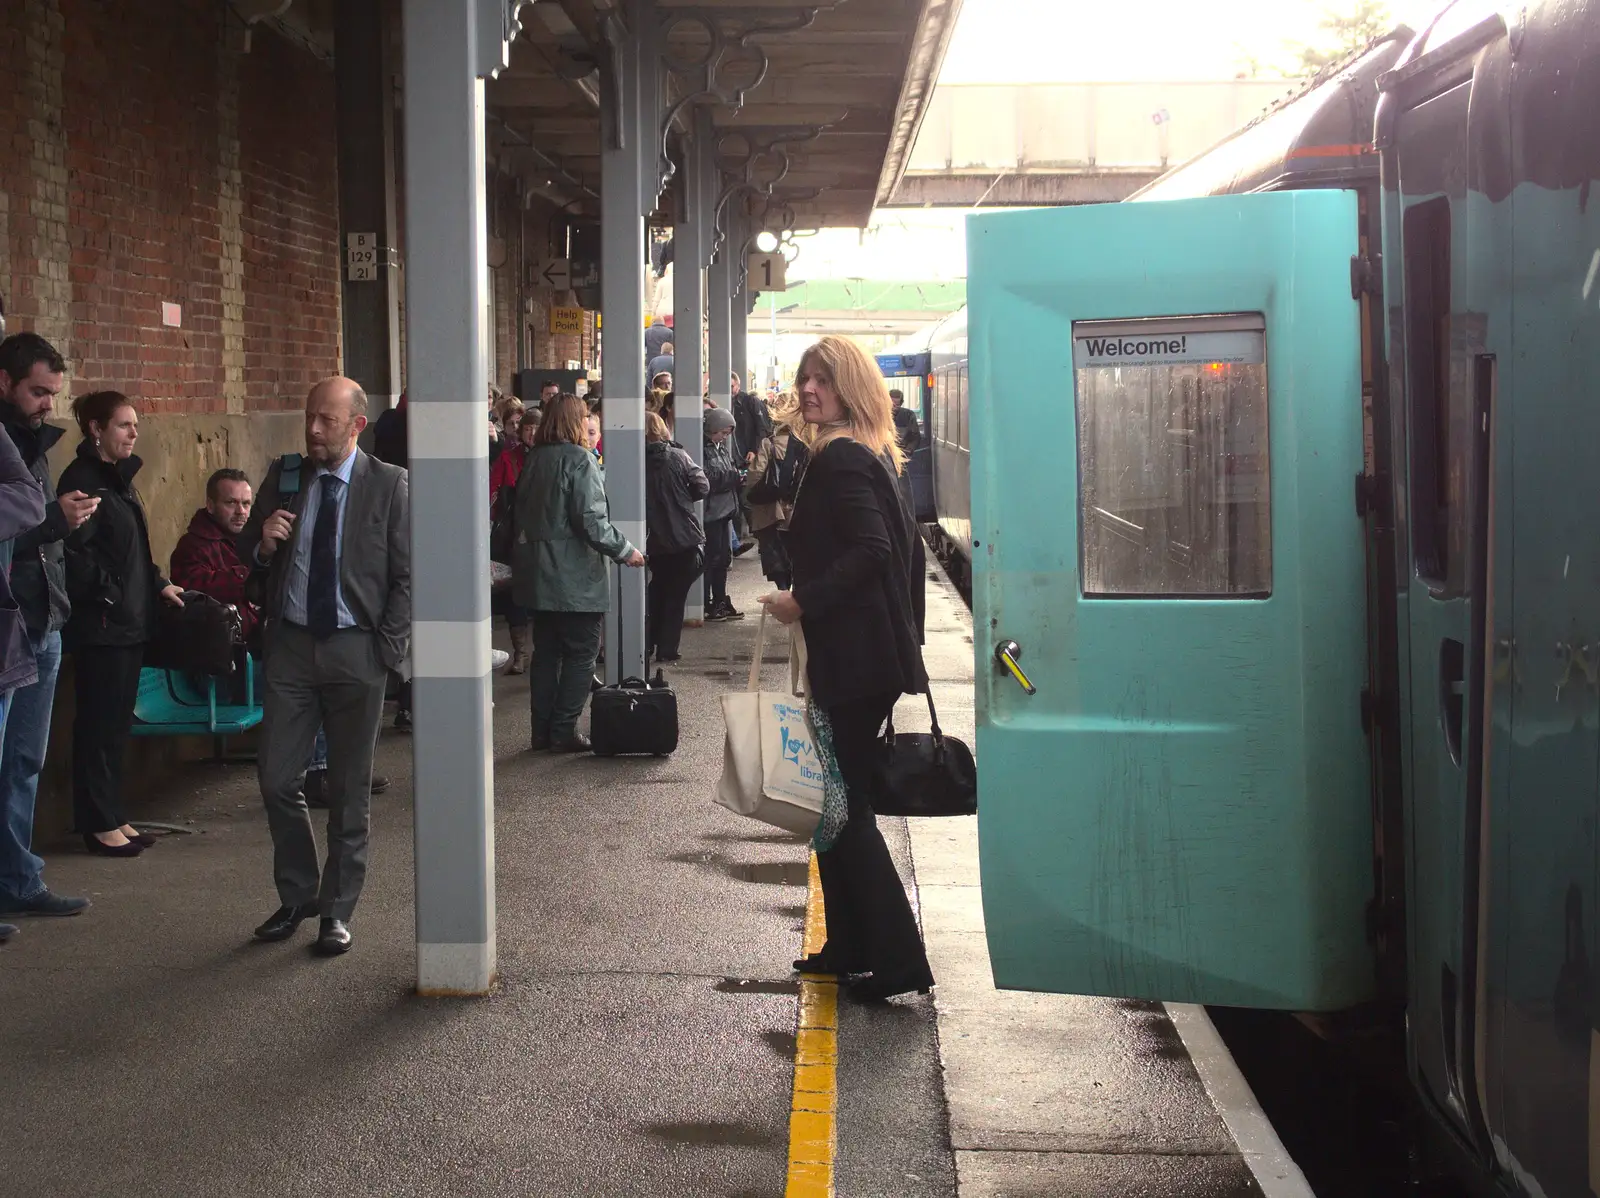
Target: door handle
(1006, 654)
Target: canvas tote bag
(770, 768)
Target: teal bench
(172, 703)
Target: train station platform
(643, 1036)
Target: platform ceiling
(840, 86)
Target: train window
(966, 409)
(1426, 239)
(1174, 484)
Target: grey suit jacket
(375, 554)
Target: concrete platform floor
(641, 1039)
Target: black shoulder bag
(923, 773)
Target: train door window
(1174, 484)
(966, 409)
(1435, 471)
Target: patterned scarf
(835, 799)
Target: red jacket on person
(207, 560)
(506, 469)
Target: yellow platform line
(812, 1130)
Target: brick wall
(290, 223)
(150, 161)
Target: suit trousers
(337, 685)
(671, 576)
(870, 925)
(565, 646)
(107, 685)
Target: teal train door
(1168, 598)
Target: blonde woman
(857, 592)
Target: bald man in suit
(335, 559)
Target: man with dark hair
(906, 429)
(206, 558)
(32, 375)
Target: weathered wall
(153, 162)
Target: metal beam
(447, 381)
(365, 108)
(1035, 189)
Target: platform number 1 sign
(765, 272)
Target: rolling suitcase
(634, 716)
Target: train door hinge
(1367, 494)
(1363, 275)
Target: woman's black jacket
(672, 484)
(112, 580)
(858, 577)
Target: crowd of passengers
(328, 613)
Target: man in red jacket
(207, 557)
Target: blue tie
(322, 587)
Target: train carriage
(1281, 498)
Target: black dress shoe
(539, 744)
(576, 743)
(281, 924)
(333, 938)
(143, 839)
(380, 783)
(95, 845)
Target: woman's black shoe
(143, 839)
(95, 845)
(877, 989)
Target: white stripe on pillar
(451, 969)
(442, 430)
(450, 648)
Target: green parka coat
(564, 538)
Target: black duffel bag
(198, 638)
(923, 773)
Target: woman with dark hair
(115, 586)
(674, 537)
(503, 477)
(564, 543)
(857, 593)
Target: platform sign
(566, 320)
(361, 257)
(767, 272)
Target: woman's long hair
(563, 422)
(869, 413)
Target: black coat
(672, 483)
(38, 561)
(858, 577)
(752, 424)
(112, 579)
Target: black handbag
(923, 773)
(502, 526)
(197, 638)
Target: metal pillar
(365, 114)
(739, 313)
(628, 181)
(691, 236)
(719, 322)
(449, 46)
